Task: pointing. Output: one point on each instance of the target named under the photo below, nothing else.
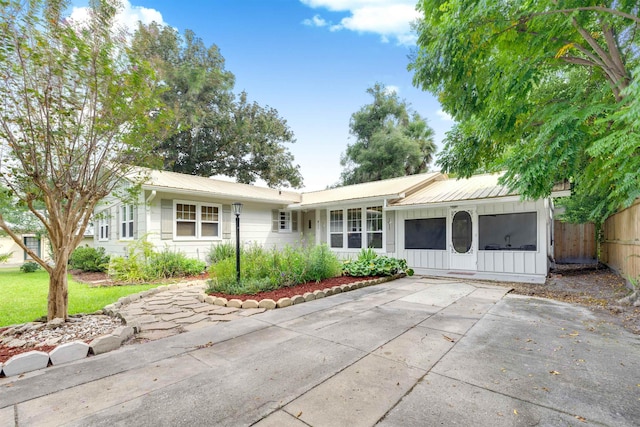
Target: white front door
(463, 246)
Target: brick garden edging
(77, 350)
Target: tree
(77, 108)
(215, 132)
(539, 89)
(391, 140)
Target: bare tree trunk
(58, 291)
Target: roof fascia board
(457, 203)
(215, 194)
(347, 202)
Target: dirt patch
(594, 286)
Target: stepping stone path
(170, 310)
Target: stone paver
(69, 352)
(177, 308)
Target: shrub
(86, 258)
(30, 267)
(220, 252)
(322, 264)
(5, 257)
(167, 264)
(366, 265)
(263, 269)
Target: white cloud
(391, 89)
(316, 21)
(128, 16)
(390, 19)
(444, 116)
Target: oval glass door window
(461, 232)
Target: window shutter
(166, 219)
(294, 221)
(226, 222)
(110, 220)
(323, 226)
(275, 220)
(135, 222)
(118, 223)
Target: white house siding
(255, 226)
(517, 265)
(421, 258)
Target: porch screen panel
(508, 232)
(427, 233)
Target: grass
(23, 296)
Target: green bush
(263, 270)
(322, 264)
(382, 265)
(220, 252)
(5, 257)
(143, 264)
(30, 267)
(86, 258)
(167, 264)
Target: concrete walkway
(412, 352)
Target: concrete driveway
(412, 352)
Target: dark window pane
(461, 230)
(428, 233)
(374, 240)
(354, 240)
(336, 240)
(209, 229)
(186, 229)
(508, 232)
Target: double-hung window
(354, 228)
(197, 221)
(126, 221)
(336, 228)
(284, 221)
(374, 227)
(363, 228)
(103, 227)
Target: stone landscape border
(77, 350)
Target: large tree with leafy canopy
(214, 131)
(546, 90)
(391, 140)
(77, 108)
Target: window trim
(127, 222)
(286, 221)
(104, 224)
(198, 221)
(360, 228)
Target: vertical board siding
(574, 242)
(621, 241)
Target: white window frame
(198, 220)
(361, 227)
(342, 226)
(284, 221)
(127, 222)
(104, 232)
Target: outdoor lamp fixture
(237, 210)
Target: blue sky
(312, 60)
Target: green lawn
(23, 296)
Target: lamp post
(237, 210)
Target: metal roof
(163, 180)
(454, 190)
(388, 188)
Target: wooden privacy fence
(620, 247)
(574, 243)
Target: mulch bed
(300, 289)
